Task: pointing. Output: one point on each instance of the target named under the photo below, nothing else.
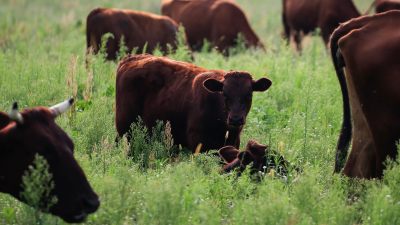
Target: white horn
(15, 115)
(62, 107)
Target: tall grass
(146, 181)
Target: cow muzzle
(236, 121)
(88, 206)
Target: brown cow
(306, 15)
(260, 155)
(217, 21)
(138, 28)
(34, 131)
(386, 5)
(369, 49)
(202, 105)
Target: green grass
(300, 115)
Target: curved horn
(15, 115)
(62, 107)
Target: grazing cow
(217, 21)
(34, 131)
(137, 28)
(202, 105)
(368, 48)
(256, 153)
(307, 15)
(386, 5)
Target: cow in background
(306, 15)
(368, 47)
(139, 29)
(34, 131)
(201, 105)
(217, 21)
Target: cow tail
(285, 23)
(346, 130)
(88, 25)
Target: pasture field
(42, 62)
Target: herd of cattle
(208, 108)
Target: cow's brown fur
(217, 21)
(368, 48)
(137, 28)
(306, 15)
(40, 134)
(386, 5)
(202, 105)
(260, 155)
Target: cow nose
(236, 121)
(90, 205)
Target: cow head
(237, 89)
(34, 131)
(255, 153)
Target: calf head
(237, 89)
(255, 153)
(33, 131)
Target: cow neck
(3, 188)
(3, 151)
(4, 122)
(234, 133)
(3, 156)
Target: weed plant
(43, 61)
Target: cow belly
(361, 161)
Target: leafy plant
(37, 184)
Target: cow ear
(256, 149)
(245, 158)
(213, 85)
(262, 84)
(228, 153)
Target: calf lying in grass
(259, 155)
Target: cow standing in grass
(139, 29)
(216, 21)
(34, 131)
(306, 15)
(202, 105)
(368, 47)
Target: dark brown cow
(217, 21)
(138, 28)
(260, 155)
(386, 5)
(369, 49)
(22, 135)
(306, 15)
(202, 105)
